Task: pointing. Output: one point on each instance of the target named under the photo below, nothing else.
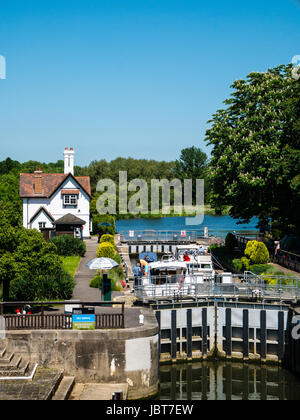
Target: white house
(57, 202)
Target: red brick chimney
(38, 186)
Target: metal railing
(184, 235)
(237, 286)
(41, 320)
(161, 235)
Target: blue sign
(83, 322)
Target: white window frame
(70, 199)
(42, 225)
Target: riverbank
(208, 210)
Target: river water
(227, 381)
(217, 225)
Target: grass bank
(70, 264)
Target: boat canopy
(167, 266)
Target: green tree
(192, 164)
(255, 162)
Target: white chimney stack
(69, 161)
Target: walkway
(82, 290)
(85, 293)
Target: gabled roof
(69, 219)
(50, 184)
(39, 211)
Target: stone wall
(110, 356)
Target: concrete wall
(109, 356)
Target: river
(219, 380)
(217, 225)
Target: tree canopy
(255, 163)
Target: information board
(83, 319)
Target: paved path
(97, 391)
(82, 290)
(85, 293)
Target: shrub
(106, 250)
(68, 246)
(257, 252)
(107, 238)
(246, 263)
(39, 288)
(118, 259)
(231, 242)
(237, 264)
(116, 286)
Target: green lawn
(71, 264)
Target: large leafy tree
(255, 162)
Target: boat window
(206, 266)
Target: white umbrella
(102, 264)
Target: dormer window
(70, 200)
(70, 197)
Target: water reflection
(227, 381)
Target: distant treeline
(192, 164)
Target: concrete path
(85, 293)
(82, 290)
(97, 391)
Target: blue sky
(126, 77)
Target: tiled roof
(69, 219)
(69, 192)
(50, 183)
(39, 211)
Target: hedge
(68, 246)
(39, 288)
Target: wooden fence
(49, 321)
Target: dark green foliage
(290, 243)
(39, 288)
(67, 246)
(237, 265)
(231, 242)
(118, 259)
(241, 264)
(255, 162)
(98, 219)
(26, 257)
(192, 164)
